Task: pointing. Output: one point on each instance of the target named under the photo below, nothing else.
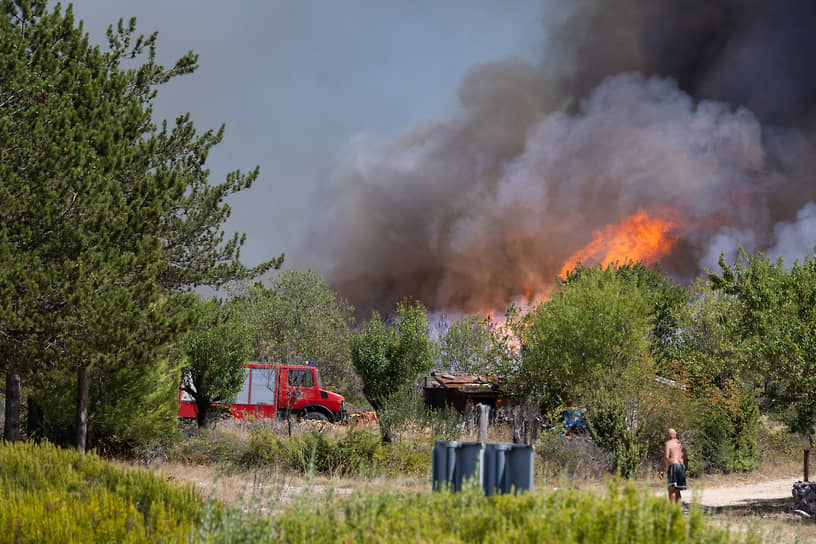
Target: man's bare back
(674, 454)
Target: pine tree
(108, 221)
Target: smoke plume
(702, 110)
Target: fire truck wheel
(317, 415)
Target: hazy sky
(297, 81)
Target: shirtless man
(676, 459)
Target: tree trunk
(385, 433)
(81, 430)
(11, 429)
(34, 421)
(203, 413)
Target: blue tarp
(572, 419)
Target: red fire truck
(272, 390)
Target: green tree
(300, 318)
(107, 219)
(706, 340)
(707, 353)
(590, 344)
(777, 326)
(477, 346)
(389, 356)
(594, 331)
(214, 358)
(668, 299)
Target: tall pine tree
(108, 221)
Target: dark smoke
(704, 106)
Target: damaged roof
(466, 383)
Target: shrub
(614, 426)
(724, 431)
(357, 452)
(777, 444)
(410, 457)
(407, 408)
(309, 453)
(571, 456)
(262, 450)
(53, 495)
(209, 447)
(348, 452)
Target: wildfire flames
(639, 237)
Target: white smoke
(796, 239)
(726, 243)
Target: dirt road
(739, 495)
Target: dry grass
(245, 428)
(767, 518)
(269, 492)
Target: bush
(614, 426)
(358, 452)
(53, 495)
(724, 431)
(571, 456)
(407, 408)
(261, 450)
(777, 445)
(348, 452)
(408, 457)
(209, 447)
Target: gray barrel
(508, 467)
(454, 462)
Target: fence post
(484, 412)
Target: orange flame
(639, 237)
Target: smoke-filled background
(697, 112)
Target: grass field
(205, 490)
(276, 489)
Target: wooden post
(81, 431)
(807, 463)
(469, 415)
(484, 412)
(518, 425)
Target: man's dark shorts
(677, 476)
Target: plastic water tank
(508, 467)
(499, 468)
(454, 462)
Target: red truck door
(295, 387)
